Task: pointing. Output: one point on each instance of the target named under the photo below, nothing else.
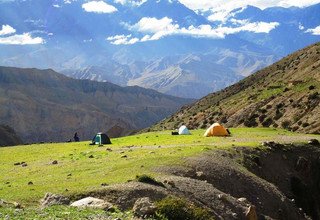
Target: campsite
(82, 168)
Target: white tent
(183, 130)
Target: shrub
(285, 124)
(267, 122)
(278, 115)
(305, 124)
(149, 180)
(177, 209)
(261, 118)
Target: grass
(61, 212)
(76, 172)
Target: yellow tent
(216, 130)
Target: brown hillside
(42, 105)
(285, 94)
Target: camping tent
(216, 130)
(101, 138)
(183, 130)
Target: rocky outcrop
(92, 203)
(143, 207)
(53, 199)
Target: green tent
(101, 138)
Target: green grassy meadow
(82, 167)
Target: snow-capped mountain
(168, 45)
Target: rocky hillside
(42, 105)
(8, 137)
(285, 94)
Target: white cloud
(314, 31)
(301, 27)
(7, 29)
(122, 39)
(98, 7)
(155, 29)
(21, 39)
(130, 2)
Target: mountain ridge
(42, 105)
(285, 94)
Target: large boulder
(92, 203)
(143, 207)
(53, 199)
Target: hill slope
(285, 94)
(8, 137)
(42, 105)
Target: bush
(177, 209)
(267, 122)
(285, 124)
(149, 180)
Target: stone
(243, 200)
(251, 213)
(314, 142)
(109, 149)
(124, 156)
(54, 162)
(199, 173)
(30, 183)
(92, 203)
(17, 164)
(91, 156)
(54, 199)
(222, 197)
(24, 164)
(143, 207)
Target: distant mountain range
(42, 105)
(285, 95)
(163, 45)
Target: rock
(2, 203)
(199, 173)
(272, 145)
(243, 200)
(53, 199)
(17, 205)
(54, 162)
(169, 182)
(92, 203)
(124, 156)
(24, 164)
(104, 184)
(313, 142)
(222, 197)
(30, 183)
(143, 207)
(109, 149)
(91, 156)
(251, 213)
(17, 164)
